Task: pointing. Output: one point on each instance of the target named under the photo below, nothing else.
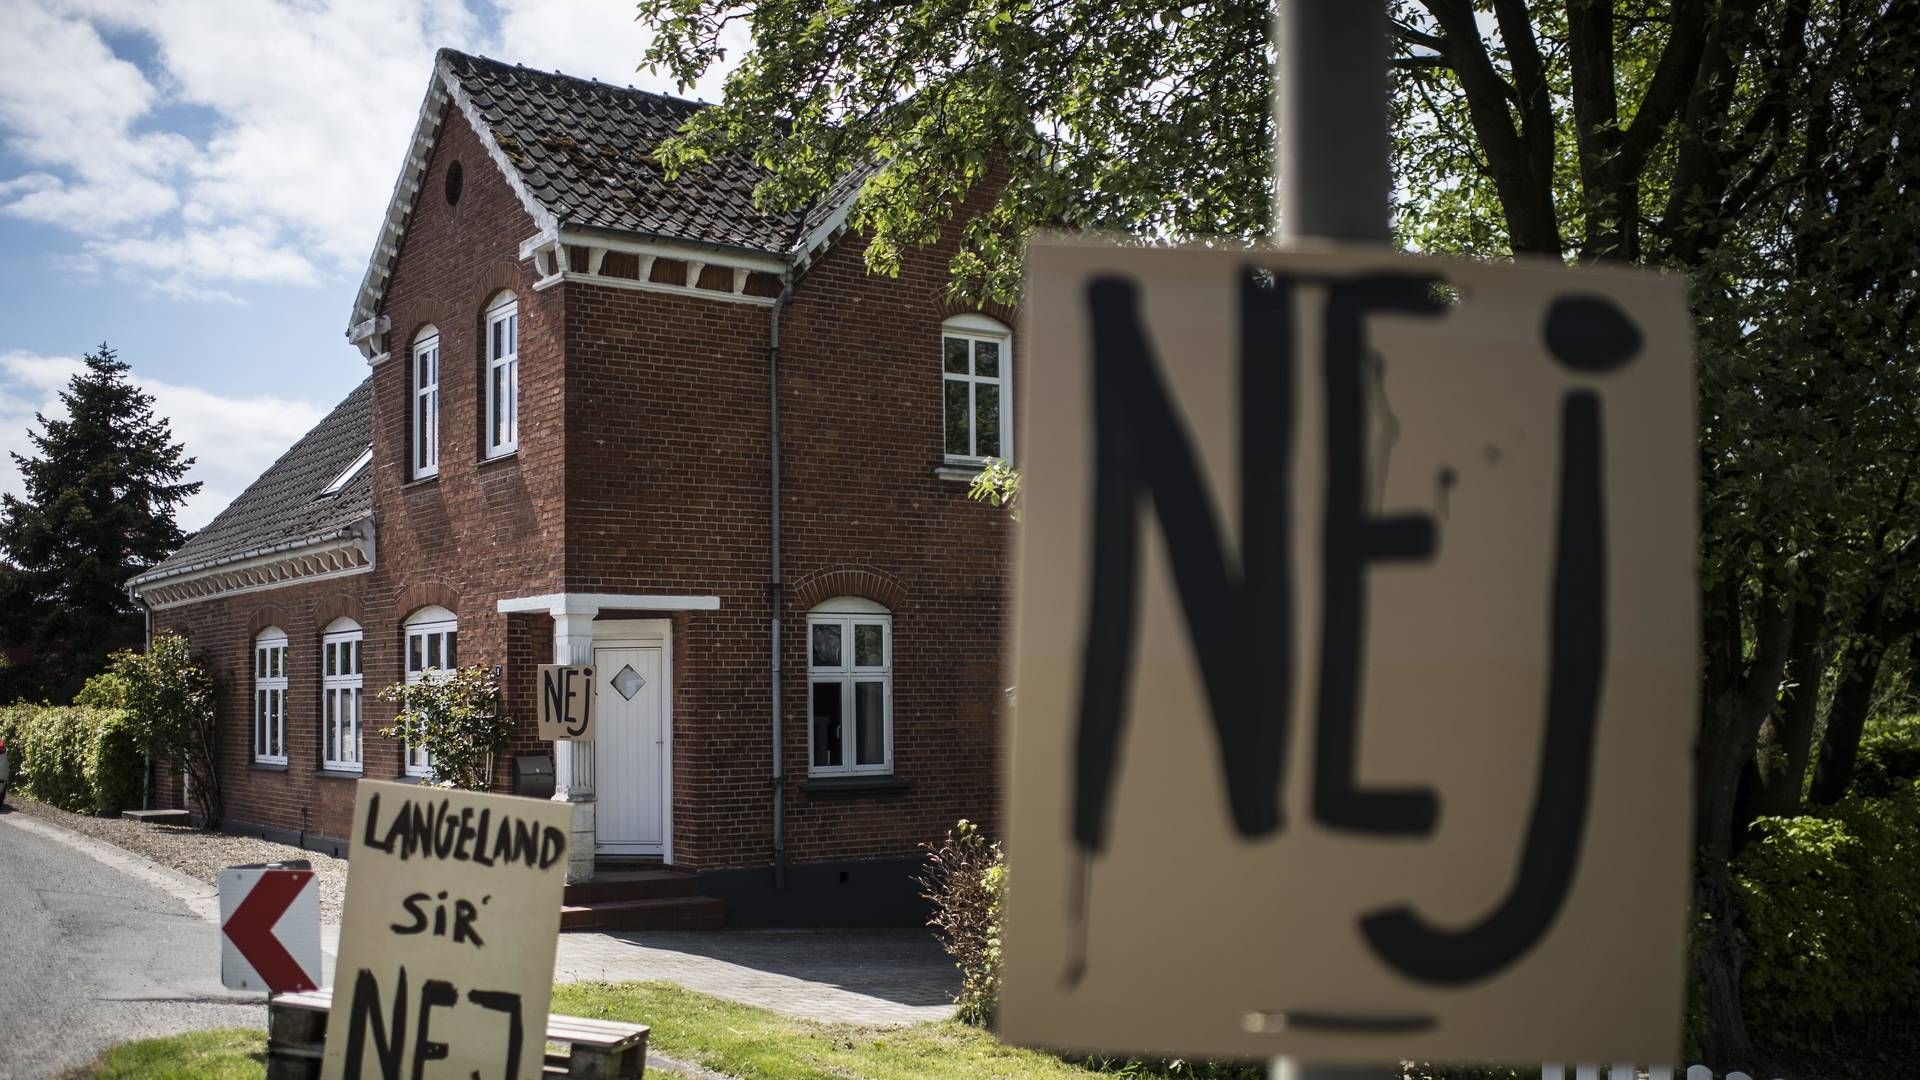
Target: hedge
(82, 759)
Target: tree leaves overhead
(1139, 117)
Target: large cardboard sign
(1356, 658)
(448, 935)
(566, 701)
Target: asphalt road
(91, 956)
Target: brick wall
(643, 467)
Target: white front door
(630, 755)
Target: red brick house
(618, 419)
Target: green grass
(755, 1044)
(233, 1054)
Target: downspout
(774, 587)
(146, 774)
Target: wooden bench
(596, 1049)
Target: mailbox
(533, 776)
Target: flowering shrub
(454, 716)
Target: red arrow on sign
(250, 928)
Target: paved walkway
(871, 977)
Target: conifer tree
(100, 491)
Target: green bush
(115, 762)
(1831, 912)
(107, 690)
(54, 745)
(965, 879)
(1889, 757)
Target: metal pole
(1331, 106)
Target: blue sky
(200, 183)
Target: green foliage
(1889, 759)
(455, 716)
(998, 484)
(1831, 908)
(54, 743)
(107, 690)
(116, 761)
(1415, 1071)
(171, 706)
(966, 879)
(100, 490)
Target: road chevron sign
(269, 930)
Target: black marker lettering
(464, 914)
(1352, 538)
(412, 904)
(1240, 618)
(373, 817)
(388, 1042)
(501, 1001)
(434, 994)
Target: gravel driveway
(197, 854)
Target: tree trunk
(1724, 1042)
(1786, 738)
(1846, 720)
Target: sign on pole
(1356, 652)
(448, 935)
(566, 701)
(269, 929)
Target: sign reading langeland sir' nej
(448, 935)
(1356, 653)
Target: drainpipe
(773, 580)
(146, 774)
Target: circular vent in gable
(455, 178)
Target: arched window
(426, 403)
(849, 687)
(432, 637)
(270, 696)
(976, 358)
(503, 375)
(340, 695)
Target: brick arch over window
(424, 593)
(339, 606)
(948, 307)
(268, 615)
(500, 276)
(871, 582)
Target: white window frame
(437, 632)
(424, 391)
(270, 696)
(848, 613)
(502, 346)
(972, 329)
(342, 702)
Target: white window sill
(270, 764)
(958, 473)
(500, 455)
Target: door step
(654, 898)
(661, 913)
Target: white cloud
(301, 113)
(233, 439)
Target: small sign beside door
(566, 701)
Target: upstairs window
(432, 636)
(426, 404)
(976, 356)
(503, 376)
(270, 697)
(340, 691)
(850, 688)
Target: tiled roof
(285, 506)
(584, 150)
